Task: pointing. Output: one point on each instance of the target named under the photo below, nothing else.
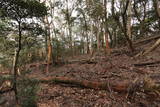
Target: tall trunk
(105, 28)
(158, 11)
(15, 61)
(49, 44)
(123, 25)
(82, 42)
(115, 39)
(126, 35)
(86, 28)
(68, 15)
(98, 38)
(141, 20)
(124, 18)
(49, 54)
(91, 37)
(14, 70)
(129, 21)
(158, 7)
(70, 38)
(46, 43)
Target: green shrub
(27, 89)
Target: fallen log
(151, 38)
(6, 90)
(116, 86)
(152, 48)
(147, 63)
(83, 61)
(127, 87)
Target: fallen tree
(82, 61)
(128, 87)
(153, 47)
(120, 86)
(151, 38)
(147, 63)
(6, 90)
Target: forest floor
(119, 66)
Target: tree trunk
(158, 11)
(153, 47)
(129, 21)
(69, 23)
(116, 86)
(126, 35)
(70, 38)
(108, 50)
(49, 54)
(158, 8)
(46, 44)
(120, 86)
(86, 33)
(123, 25)
(15, 61)
(91, 37)
(98, 37)
(49, 43)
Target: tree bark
(69, 23)
(146, 40)
(48, 42)
(86, 33)
(153, 47)
(49, 55)
(6, 90)
(129, 20)
(124, 28)
(106, 31)
(116, 86)
(123, 25)
(158, 7)
(15, 61)
(98, 37)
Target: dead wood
(153, 47)
(147, 63)
(116, 86)
(151, 38)
(6, 90)
(83, 61)
(127, 87)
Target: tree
(19, 10)
(106, 30)
(129, 12)
(141, 14)
(157, 43)
(84, 19)
(122, 23)
(157, 7)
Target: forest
(79, 53)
